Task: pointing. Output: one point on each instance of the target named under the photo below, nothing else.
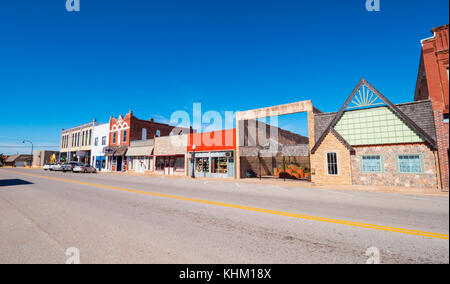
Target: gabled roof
(368, 102)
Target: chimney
(152, 120)
(131, 112)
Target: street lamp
(193, 161)
(32, 146)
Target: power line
(29, 146)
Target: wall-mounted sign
(109, 150)
(81, 154)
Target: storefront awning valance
(115, 151)
(120, 151)
(139, 151)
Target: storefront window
(219, 165)
(159, 163)
(179, 163)
(202, 165)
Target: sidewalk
(304, 184)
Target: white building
(100, 141)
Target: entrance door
(171, 166)
(140, 167)
(166, 166)
(119, 164)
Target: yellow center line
(254, 209)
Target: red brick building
(129, 128)
(433, 84)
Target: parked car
(48, 167)
(82, 168)
(68, 167)
(57, 167)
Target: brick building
(125, 129)
(433, 84)
(371, 141)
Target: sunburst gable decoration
(365, 97)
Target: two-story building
(124, 129)
(433, 84)
(76, 143)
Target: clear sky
(59, 69)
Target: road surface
(136, 219)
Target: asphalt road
(129, 219)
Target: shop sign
(108, 150)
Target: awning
(115, 151)
(120, 151)
(139, 151)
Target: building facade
(76, 143)
(212, 154)
(170, 155)
(100, 141)
(433, 84)
(140, 156)
(125, 129)
(43, 157)
(371, 141)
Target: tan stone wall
(319, 163)
(390, 175)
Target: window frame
(327, 163)
(96, 141)
(361, 171)
(421, 160)
(124, 136)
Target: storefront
(212, 154)
(214, 164)
(116, 159)
(170, 155)
(140, 156)
(170, 165)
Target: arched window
(158, 133)
(144, 134)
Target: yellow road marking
(254, 209)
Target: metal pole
(259, 163)
(32, 146)
(193, 163)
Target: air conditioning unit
(229, 154)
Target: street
(139, 219)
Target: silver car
(82, 168)
(68, 167)
(48, 167)
(57, 167)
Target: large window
(124, 136)
(332, 164)
(202, 165)
(371, 164)
(103, 140)
(144, 134)
(410, 164)
(96, 141)
(219, 165)
(160, 163)
(114, 137)
(179, 163)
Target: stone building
(433, 84)
(371, 141)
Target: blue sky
(59, 69)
